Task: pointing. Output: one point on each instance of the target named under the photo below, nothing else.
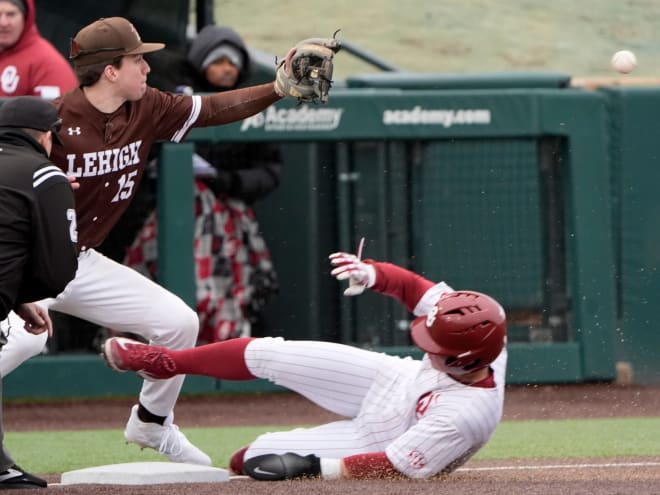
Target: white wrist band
(330, 469)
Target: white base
(145, 473)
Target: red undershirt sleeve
(223, 360)
(374, 465)
(402, 284)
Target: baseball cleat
(16, 477)
(167, 439)
(150, 362)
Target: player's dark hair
(90, 74)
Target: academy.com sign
(303, 118)
(309, 118)
(445, 118)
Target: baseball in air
(624, 61)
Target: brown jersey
(108, 152)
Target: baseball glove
(306, 71)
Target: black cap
(30, 112)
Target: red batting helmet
(468, 328)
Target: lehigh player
(410, 418)
(109, 125)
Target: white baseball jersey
(425, 421)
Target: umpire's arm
(54, 236)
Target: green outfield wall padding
(175, 221)
(368, 114)
(635, 127)
(494, 80)
(582, 118)
(431, 178)
(471, 211)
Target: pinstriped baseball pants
(336, 377)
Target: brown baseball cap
(106, 39)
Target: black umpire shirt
(38, 236)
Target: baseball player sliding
(109, 125)
(407, 418)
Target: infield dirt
(531, 477)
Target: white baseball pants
(114, 296)
(336, 377)
(21, 345)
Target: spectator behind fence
(234, 273)
(29, 64)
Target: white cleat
(166, 439)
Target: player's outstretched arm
(385, 278)
(231, 106)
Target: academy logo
(423, 404)
(445, 118)
(295, 119)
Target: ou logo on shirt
(9, 79)
(423, 403)
(416, 459)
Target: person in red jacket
(29, 64)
